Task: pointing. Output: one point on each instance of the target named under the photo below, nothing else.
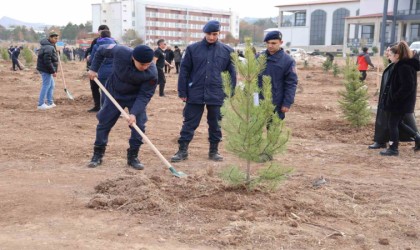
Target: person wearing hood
(363, 62)
(47, 66)
(96, 94)
(200, 86)
(106, 66)
(399, 95)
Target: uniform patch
(294, 70)
(110, 46)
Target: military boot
(214, 152)
(98, 153)
(417, 140)
(182, 153)
(132, 159)
(392, 150)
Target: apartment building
(177, 24)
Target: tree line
(71, 32)
(68, 33)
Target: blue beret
(273, 35)
(143, 54)
(211, 26)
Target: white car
(296, 50)
(415, 46)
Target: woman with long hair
(399, 95)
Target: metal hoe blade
(178, 174)
(69, 95)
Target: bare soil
(49, 199)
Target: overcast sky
(79, 11)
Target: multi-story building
(343, 24)
(177, 24)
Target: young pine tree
(354, 100)
(251, 126)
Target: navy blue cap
(273, 35)
(143, 54)
(211, 26)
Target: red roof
(316, 2)
(370, 15)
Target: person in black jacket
(177, 58)
(381, 134)
(47, 66)
(96, 94)
(159, 58)
(200, 86)
(15, 58)
(132, 83)
(169, 56)
(399, 95)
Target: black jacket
(399, 95)
(47, 57)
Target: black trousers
(382, 131)
(395, 121)
(192, 118)
(15, 63)
(96, 95)
(177, 66)
(363, 76)
(161, 81)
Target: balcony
(408, 12)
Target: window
(338, 26)
(367, 31)
(356, 29)
(318, 24)
(300, 18)
(415, 31)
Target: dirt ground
(49, 199)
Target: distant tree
(28, 56)
(129, 35)
(245, 30)
(229, 39)
(255, 30)
(88, 26)
(69, 32)
(135, 42)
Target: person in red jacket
(363, 61)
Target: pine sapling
(252, 129)
(354, 99)
(335, 69)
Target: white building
(177, 24)
(340, 24)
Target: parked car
(415, 46)
(314, 53)
(296, 50)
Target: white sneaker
(43, 107)
(52, 105)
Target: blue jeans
(47, 90)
